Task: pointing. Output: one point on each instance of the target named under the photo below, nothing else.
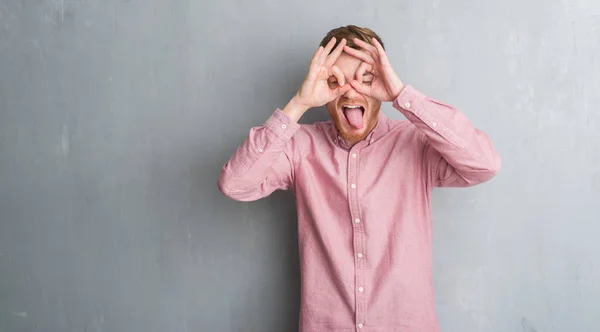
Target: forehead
(348, 64)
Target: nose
(351, 93)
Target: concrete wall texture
(116, 117)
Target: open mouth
(354, 115)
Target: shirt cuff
(282, 125)
(409, 99)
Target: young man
(362, 184)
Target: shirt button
(434, 124)
(359, 255)
(353, 186)
(357, 220)
(354, 155)
(360, 289)
(360, 326)
(407, 104)
(283, 126)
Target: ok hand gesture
(315, 91)
(386, 85)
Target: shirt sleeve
(263, 163)
(455, 154)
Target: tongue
(355, 117)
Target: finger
(327, 50)
(362, 69)
(382, 56)
(335, 54)
(316, 55)
(368, 47)
(316, 71)
(364, 56)
(314, 65)
(337, 72)
(358, 86)
(340, 90)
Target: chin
(349, 132)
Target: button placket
(358, 233)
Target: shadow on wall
(527, 326)
(262, 238)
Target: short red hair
(350, 32)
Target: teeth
(351, 106)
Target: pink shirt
(364, 212)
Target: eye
(367, 82)
(332, 84)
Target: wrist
(295, 109)
(399, 91)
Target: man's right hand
(315, 90)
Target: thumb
(337, 72)
(340, 90)
(360, 87)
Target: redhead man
(362, 184)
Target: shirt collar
(378, 131)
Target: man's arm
(265, 160)
(263, 163)
(456, 154)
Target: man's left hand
(386, 85)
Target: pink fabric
(364, 219)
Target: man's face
(353, 114)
